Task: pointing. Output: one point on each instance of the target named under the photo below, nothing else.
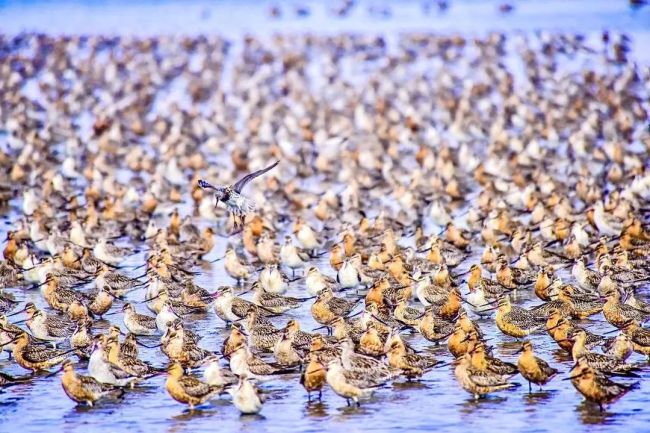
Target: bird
(619, 314)
(85, 389)
(245, 362)
(274, 302)
(482, 361)
(315, 281)
(247, 397)
(533, 369)
(138, 324)
(7, 380)
(327, 307)
(605, 364)
(291, 256)
(102, 370)
(516, 321)
(188, 389)
(478, 382)
(231, 196)
(351, 385)
(313, 377)
(412, 365)
(35, 357)
(595, 386)
(111, 254)
(47, 327)
(636, 335)
(217, 375)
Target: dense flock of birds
(423, 182)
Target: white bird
(306, 235)
(247, 397)
(30, 202)
(109, 253)
(291, 256)
(78, 235)
(215, 374)
(348, 275)
(273, 281)
(439, 214)
(605, 223)
(165, 315)
(316, 281)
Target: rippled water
(436, 402)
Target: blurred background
(234, 17)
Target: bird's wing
(543, 365)
(641, 337)
(194, 387)
(424, 362)
(205, 185)
(241, 183)
(118, 372)
(366, 379)
(40, 353)
(483, 378)
(257, 366)
(92, 384)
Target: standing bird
(247, 397)
(595, 386)
(231, 195)
(313, 377)
(36, 357)
(535, 370)
(85, 389)
(188, 389)
(478, 382)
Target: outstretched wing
(241, 183)
(205, 185)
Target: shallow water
(436, 402)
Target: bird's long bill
(16, 313)
(349, 317)
(11, 341)
(55, 372)
(217, 259)
(139, 343)
(555, 327)
(575, 376)
(112, 313)
(379, 320)
(152, 298)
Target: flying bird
(231, 195)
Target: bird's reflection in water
(413, 385)
(316, 409)
(246, 419)
(538, 397)
(184, 420)
(353, 411)
(561, 356)
(508, 347)
(590, 413)
(79, 409)
(470, 406)
(190, 414)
